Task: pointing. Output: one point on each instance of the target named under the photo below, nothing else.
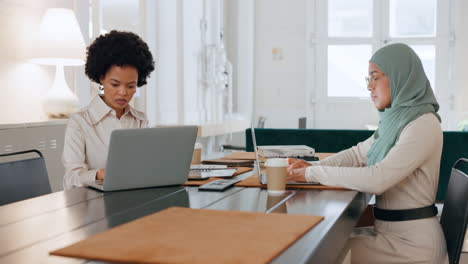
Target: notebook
(196, 236)
(230, 162)
(202, 171)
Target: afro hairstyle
(118, 48)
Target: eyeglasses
(371, 79)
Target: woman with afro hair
(119, 62)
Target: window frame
(319, 42)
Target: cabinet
(47, 137)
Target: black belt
(406, 214)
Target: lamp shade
(60, 41)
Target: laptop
(147, 157)
(262, 176)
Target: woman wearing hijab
(399, 163)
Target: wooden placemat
(184, 235)
(240, 170)
(252, 181)
(241, 156)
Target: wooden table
(30, 229)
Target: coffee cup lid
(276, 162)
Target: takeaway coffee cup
(276, 175)
(196, 156)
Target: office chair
(454, 216)
(261, 122)
(23, 179)
(302, 122)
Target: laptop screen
(262, 177)
(257, 160)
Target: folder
(184, 235)
(230, 162)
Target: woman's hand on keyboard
(100, 174)
(297, 163)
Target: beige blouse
(406, 178)
(87, 139)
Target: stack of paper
(203, 167)
(284, 151)
(203, 171)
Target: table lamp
(60, 43)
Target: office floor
(464, 258)
(464, 254)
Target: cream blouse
(406, 178)
(87, 139)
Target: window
(346, 66)
(414, 18)
(344, 34)
(350, 18)
(355, 29)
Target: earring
(101, 87)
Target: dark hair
(118, 48)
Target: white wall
(23, 83)
(168, 63)
(240, 48)
(239, 35)
(460, 60)
(121, 15)
(280, 84)
(280, 81)
(192, 13)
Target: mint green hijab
(411, 94)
